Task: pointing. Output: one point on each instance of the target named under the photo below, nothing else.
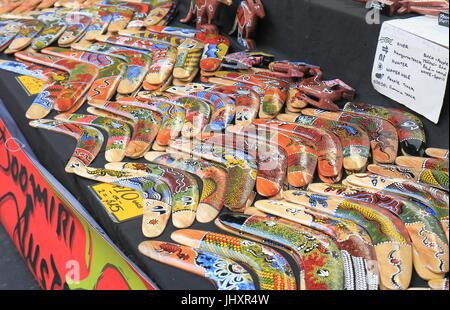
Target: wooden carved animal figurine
(205, 11)
(246, 21)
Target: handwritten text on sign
(411, 70)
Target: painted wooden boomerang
(360, 264)
(164, 56)
(275, 91)
(270, 158)
(327, 145)
(435, 178)
(189, 51)
(156, 195)
(28, 31)
(110, 71)
(213, 176)
(100, 23)
(197, 111)
(54, 27)
(89, 141)
(146, 125)
(224, 273)
(301, 160)
(389, 236)
(247, 101)
(242, 169)
(223, 106)
(355, 141)
(271, 268)
(140, 11)
(216, 46)
(437, 153)
(382, 134)
(81, 77)
(77, 25)
(409, 127)
(172, 122)
(184, 188)
(8, 33)
(119, 133)
(317, 256)
(428, 239)
(43, 104)
(422, 162)
(121, 16)
(433, 198)
(137, 64)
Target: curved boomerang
(89, 141)
(146, 125)
(271, 268)
(389, 236)
(242, 169)
(81, 77)
(110, 71)
(409, 127)
(28, 31)
(317, 256)
(435, 199)
(137, 63)
(184, 188)
(77, 24)
(270, 158)
(302, 160)
(383, 135)
(224, 273)
(428, 177)
(355, 141)
(422, 162)
(428, 237)
(360, 262)
(164, 56)
(213, 176)
(328, 146)
(173, 120)
(119, 133)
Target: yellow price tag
(32, 85)
(122, 203)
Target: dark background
(329, 33)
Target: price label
(33, 86)
(122, 203)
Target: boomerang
(317, 256)
(358, 254)
(389, 236)
(409, 127)
(382, 134)
(430, 255)
(271, 268)
(213, 176)
(89, 141)
(224, 273)
(242, 169)
(422, 162)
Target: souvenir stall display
(207, 157)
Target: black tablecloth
(330, 33)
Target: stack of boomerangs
(255, 127)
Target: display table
(329, 33)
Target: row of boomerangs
(219, 143)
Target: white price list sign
(411, 69)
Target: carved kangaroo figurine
(246, 21)
(205, 11)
